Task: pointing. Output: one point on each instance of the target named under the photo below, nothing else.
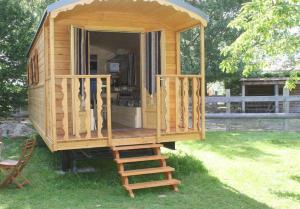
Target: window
(33, 70)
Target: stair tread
(146, 171)
(140, 159)
(135, 147)
(152, 184)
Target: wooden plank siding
(54, 102)
(171, 69)
(37, 93)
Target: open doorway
(118, 54)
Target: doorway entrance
(118, 54)
(132, 60)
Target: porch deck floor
(120, 131)
(132, 133)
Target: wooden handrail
(80, 92)
(179, 76)
(216, 99)
(81, 76)
(183, 85)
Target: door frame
(143, 69)
(141, 32)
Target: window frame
(33, 70)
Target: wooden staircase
(125, 174)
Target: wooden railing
(178, 112)
(284, 103)
(76, 97)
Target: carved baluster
(195, 103)
(185, 104)
(87, 86)
(177, 102)
(163, 104)
(199, 103)
(99, 108)
(181, 106)
(77, 106)
(167, 107)
(64, 85)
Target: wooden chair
(12, 168)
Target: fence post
(243, 96)
(276, 89)
(286, 104)
(228, 101)
(228, 107)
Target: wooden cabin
(107, 73)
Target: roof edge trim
(65, 5)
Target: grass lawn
(229, 170)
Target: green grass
(228, 170)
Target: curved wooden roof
(179, 7)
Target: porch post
(158, 108)
(52, 78)
(108, 106)
(178, 56)
(143, 78)
(203, 89)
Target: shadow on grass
(246, 144)
(289, 195)
(89, 190)
(296, 178)
(230, 148)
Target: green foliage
(15, 21)
(268, 33)
(18, 21)
(291, 83)
(217, 35)
(260, 74)
(190, 51)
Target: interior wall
(106, 46)
(102, 57)
(260, 90)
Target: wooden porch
(75, 113)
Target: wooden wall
(102, 20)
(260, 90)
(169, 39)
(171, 68)
(36, 93)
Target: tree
(217, 35)
(15, 36)
(269, 32)
(18, 21)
